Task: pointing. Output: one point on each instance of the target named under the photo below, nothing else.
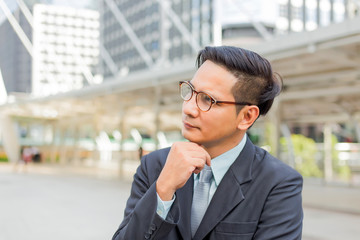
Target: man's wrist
(163, 207)
(164, 193)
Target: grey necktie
(200, 198)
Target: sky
(73, 3)
(11, 5)
(235, 11)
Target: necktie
(200, 198)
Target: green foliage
(269, 132)
(255, 138)
(305, 151)
(3, 157)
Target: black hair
(257, 83)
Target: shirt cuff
(163, 207)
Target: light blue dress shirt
(219, 167)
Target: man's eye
(206, 98)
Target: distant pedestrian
(36, 157)
(27, 154)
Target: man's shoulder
(152, 163)
(157, 156)
(273, 165)
(163, 152)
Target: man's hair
(257, 83)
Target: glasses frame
(213, 100)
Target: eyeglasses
(203, 100)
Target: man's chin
(191, 138)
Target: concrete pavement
(331, 212)
(77, 203)
(51, 203)
(339, 198)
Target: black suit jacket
(258, 198)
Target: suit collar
(221, 164)
(242, 167)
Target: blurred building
(307, 15)
(15, 61)
(247, 22)
(66, 48)
(140, 34)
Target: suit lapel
(226, 197)
(185, 195)
(228, 194)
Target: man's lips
(188, 125)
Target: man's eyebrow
(195, 88)
(192, 85)
(206, 92)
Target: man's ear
(247, 116)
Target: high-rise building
(15, 61)
(139, 34)
(65, 48)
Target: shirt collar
(221, 163)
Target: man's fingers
(207, 155)
(207, 159)
(198, 163)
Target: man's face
(219, 126)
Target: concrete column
(62, 145)
(45, 148)
(328, 168)
(64, 148)
(157, 112)
(97, 128)
(274, 118)
(357, 130)
(53, 145)
(287, 134)
(122, 129)
(10, 139)
(76, 151)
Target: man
(218, 185)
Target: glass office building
(140, 34)
(15, 61)
(66, 48)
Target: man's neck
(216, 149)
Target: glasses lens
(204, 101)
(185, 91)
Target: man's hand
(184, 159)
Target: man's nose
(190, 107)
